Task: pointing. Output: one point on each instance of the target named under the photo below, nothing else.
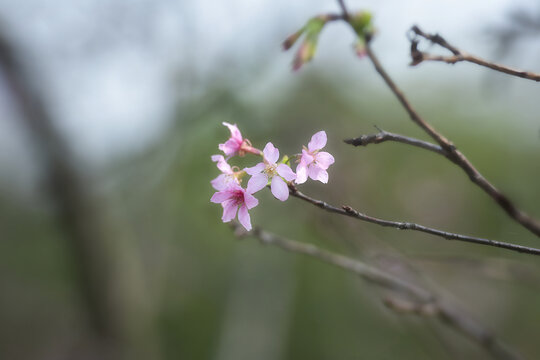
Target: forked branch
(459, 55)
(447, 146)
(455, 155)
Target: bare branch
(459, 55)
(365, 271)
(383, 136)
(455, 155)
(423, 302)
(406, 306)
(343, 9)
(452, 153)
(349, 211)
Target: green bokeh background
(213, 296)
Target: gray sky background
(110, 68)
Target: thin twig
(344, 9)
(423, 301)
(459, 55)
(365, 271)
(383, 136)
(430, 130)
(349, 211)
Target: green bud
(305, 53)
(362, 23)
(315, 25)
(307, 50)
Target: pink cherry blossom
(227, 176)
(236, 145)
(235, 198)
(313, 162)
(270, 170)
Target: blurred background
(110, 247)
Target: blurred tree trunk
(108, 272)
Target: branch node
(403, 226)
(292, 188)
(416, 55)
(406, 306)
(348, 209)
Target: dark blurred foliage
(521, 25)
(216, 297)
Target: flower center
(270, 170)
(238, 197)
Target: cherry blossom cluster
(234, 198)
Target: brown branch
(344, 9)
(383, 136)
(405, 306)
(459, 55)
(454, 154)
(349, 211)
(365, 271)
(441, 140)
(423, 301)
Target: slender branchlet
(458, 56)
(400, 225)
(418, 300)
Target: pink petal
(221, 196)
(318, 141)
(323, 176)
(219, 183)
(229, 210)
(317, 173)
(243, 217)
(307, 157)
(250, 201)
(235, 133)
(286, 172)
(234, 186)
(216, 158)
(255, 169)
(279, 188)
(301, 173)
(324, 159)
(223, 166)
(271, 153)
(230, 147)
(256, 183)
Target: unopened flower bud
(307, 50)
(360, 47)
(304, 54)
(291, 40)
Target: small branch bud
(362, 24)
(291, 40)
